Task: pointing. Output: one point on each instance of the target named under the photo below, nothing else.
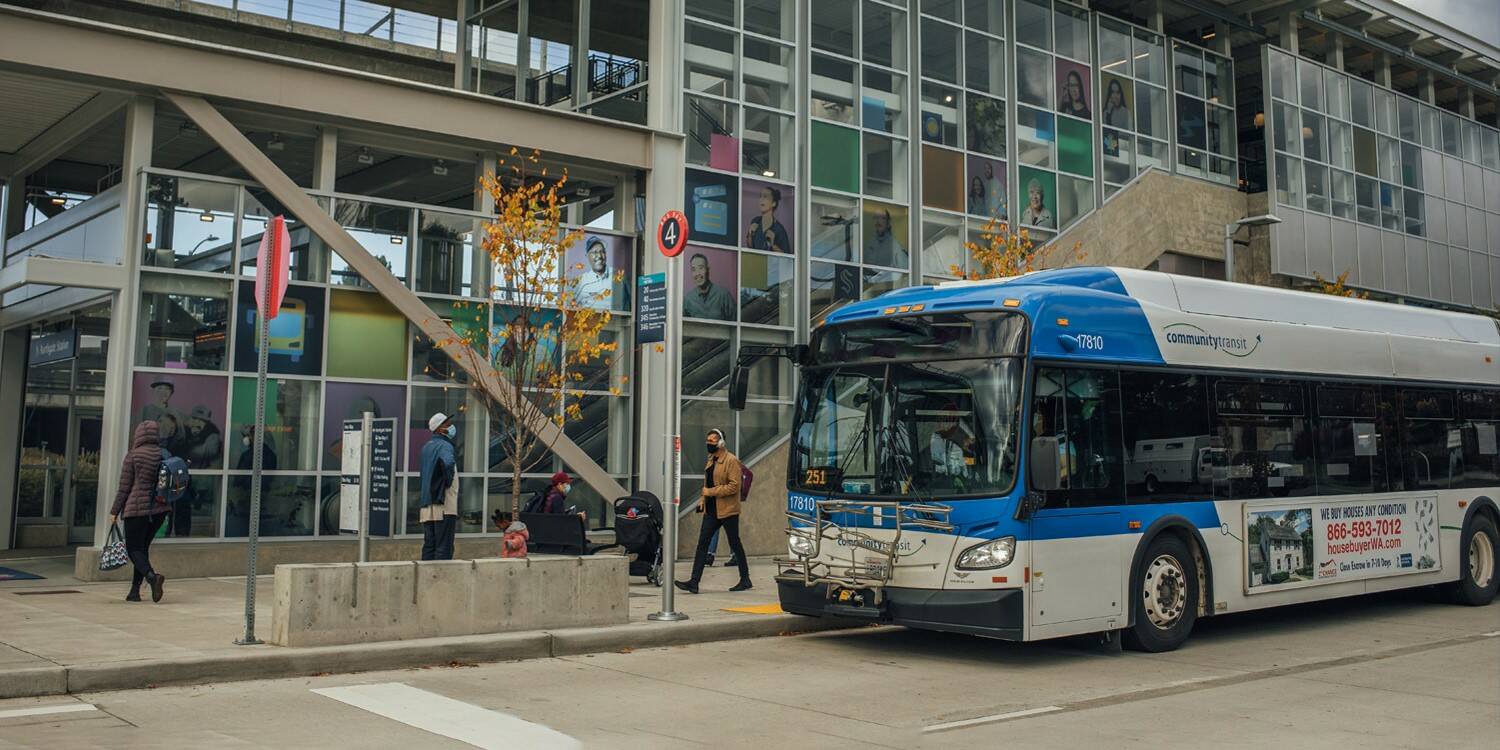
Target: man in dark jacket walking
(439, 501)
(136, 501)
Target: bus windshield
(921, 429)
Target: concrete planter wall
(332, 604)
(227, 558)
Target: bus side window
(1350, 450)
(1169, 449)
(1261, 426)
(1431, 439)
(1081, 407)
(1480, 412)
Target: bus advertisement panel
(1307, 544)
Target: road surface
(1389, 671)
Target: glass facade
(336, 350)
(1402, 195)
(740, 111)
(920, 122)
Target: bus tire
(1164, 596)
(1478, 551)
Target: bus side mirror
(799, 354)
(739, 384)
(1043, 464)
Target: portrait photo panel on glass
(188, 411)
(885, 233)
(987, 188)
(597, 268)
(1074, 97)
(1119, 102)
(1038, 197)
(710, 278)
(768, 216)
(712, 203)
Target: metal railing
(872, 572)
(351, 18)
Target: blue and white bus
(1099, 450)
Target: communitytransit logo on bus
(1188, 334)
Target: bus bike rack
(811, 571)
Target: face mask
(713, 447)
(247, 441)
(565, 488)
(451, 431)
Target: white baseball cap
(435, 421)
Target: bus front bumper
(993, 613)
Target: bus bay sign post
(671, 239)
(272, 260)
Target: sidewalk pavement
(61, 635)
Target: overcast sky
(1479, 18)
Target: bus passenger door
(1077, 534)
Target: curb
(268, 662)
(33, 681)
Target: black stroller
(638, 524)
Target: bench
(559, 534)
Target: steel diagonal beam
(301, 205)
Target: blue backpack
(171, 478)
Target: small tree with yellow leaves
(544, 335)
(1003, 252)
(1337, 287)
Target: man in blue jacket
(439, 500)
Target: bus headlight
(801, 546)
(992, 554)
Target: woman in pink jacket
(136, 502)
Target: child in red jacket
(513, 543)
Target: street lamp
(1231, 229)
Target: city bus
(977, 456)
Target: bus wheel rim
(1165, 591)
(1481, 559)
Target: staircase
(1156, 213)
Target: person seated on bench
(557, 495)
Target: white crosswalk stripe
(449, 718)
(60, 708)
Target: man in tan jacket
(720, 506)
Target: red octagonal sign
(672, 234)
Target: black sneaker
(708, 562)
(688, 586)
(744, 585)
(156, 582)
(133, 596)
(731, 563)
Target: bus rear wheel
(1477, 579)
(1164, 597)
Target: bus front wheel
(1477, 579)
(1164, 597)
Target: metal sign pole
(364, 487)
(257, 446)
(668, 611)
